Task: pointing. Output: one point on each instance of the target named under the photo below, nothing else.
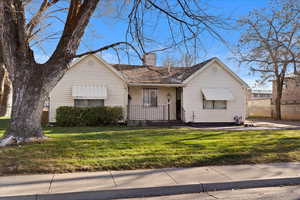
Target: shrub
(93, 116)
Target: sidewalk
(134, 183)
(256, 124)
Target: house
(206, 92)
(290, 100)
(260, 94)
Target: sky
(105, 30)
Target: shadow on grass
(3, 123)
(116, 148)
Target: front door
(178, 103)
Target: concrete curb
(160, 191)
(247, 184)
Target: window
(150, 97)
(214, 104)
(219, 104)
(208, 104)
(88, 102)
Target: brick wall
(289, 112)
(290, 92)
(290, 101)
(259, 108)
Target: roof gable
(222, 65)
(100, 60)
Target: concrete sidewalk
(118, 184)
(256, 124)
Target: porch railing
(182, 114)
(141, 112)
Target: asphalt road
(270, 193)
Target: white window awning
(89, 92)
(217, 94)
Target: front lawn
(117, 148)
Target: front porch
(156, 104)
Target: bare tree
(187, 60)
(270, 43)
(33, 81)
(35, 31)
(169, 61)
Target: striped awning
(217, 94)
(89, 92)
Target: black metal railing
(182, 114)
(141, 112)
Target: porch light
(169, 95)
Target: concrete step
(155, 123)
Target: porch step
(156, 123)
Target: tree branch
(38, 15)
(108, 47)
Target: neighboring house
(206, 92)
(259, 103)
(290, 101)
(260, 94)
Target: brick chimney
(149, 59)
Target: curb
(160, 191)
(248, 184)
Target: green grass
(102, 148)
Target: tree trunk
(278, 100)
(277, 108)
(27, 108)
(30, 90)
(31, 87)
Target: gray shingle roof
(157, 75)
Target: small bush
(93, 116)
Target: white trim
(226, 68)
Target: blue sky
(105, 30)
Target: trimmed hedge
(93, 116)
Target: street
(269, 193)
